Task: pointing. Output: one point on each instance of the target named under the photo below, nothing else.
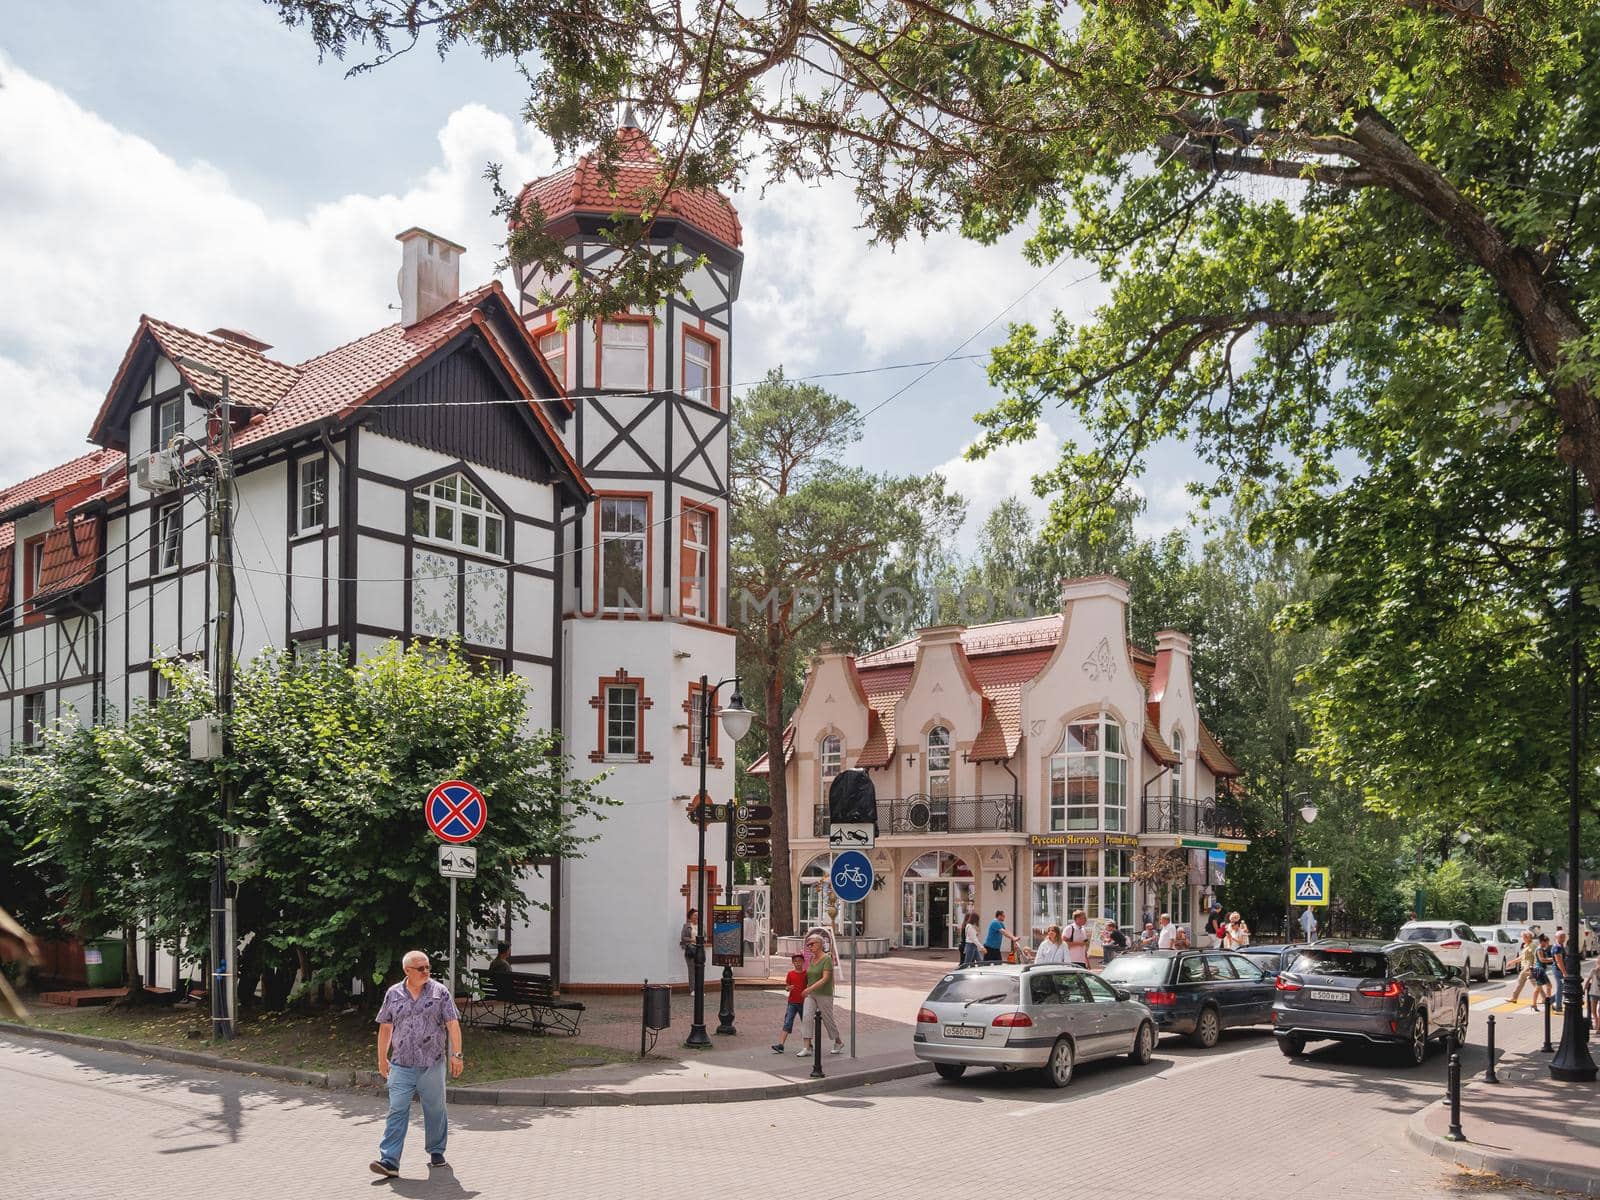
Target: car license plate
(964, 1031)
(1343, 997)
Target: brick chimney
(430, 274)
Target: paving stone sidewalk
(1527, 1127)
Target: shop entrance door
(939, 916)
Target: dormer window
(453, 511)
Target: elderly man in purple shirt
(417, 1017)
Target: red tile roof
(759, 767)
(71, 557)
(583, 188)
(58, 481)
(1215, 757)
(1158, 746)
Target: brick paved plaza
(83, 1124)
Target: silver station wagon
(1016, 1017)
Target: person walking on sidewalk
(971, 946)
(795, 1007)
(818, 994)
(1051, 949)
(1076, 935)
(997, 936)
(416, 1022)
(1544, 967)
(1527, 961)
(1591, 991)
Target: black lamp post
(1572, 1062)
(736, 720)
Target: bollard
(816, 1044)
(1453, 1083)
(1488, 1075)
(1547, 1048)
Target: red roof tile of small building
(584, 188)
(759, 767)
(1215, 757)
(58, 481)
(71, 557)
(1158, 746)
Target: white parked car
(1502, 944)
(1452, 941)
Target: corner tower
(642, 581)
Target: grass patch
(328, 1041)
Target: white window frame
(311, 473)
(937, 762)
(556, 359)
(169, 536)
(164, 435)
(697, 700)
(612, 505)
(622, 722)
(1176, 790)
(700, 580)
(433, 499)
(33, 726)
(699, 351)
(1109, 762)
(830, 761)
(617, 347)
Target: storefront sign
(727, 935)
(1083, 841)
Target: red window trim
(714, 397)
(598, 608)
(30, 578)
(553, 326)
(649, 344)
(709, 615)
(690, 759)
(598, 703)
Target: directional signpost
(456, 813)
(752, 831)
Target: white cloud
(1006, 472)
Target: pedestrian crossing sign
(1308, 885)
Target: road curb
(368, 1081)
(1510, 1166)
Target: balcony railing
(1204, 818)
(918, 814)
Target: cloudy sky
(192, 160)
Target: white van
(1543, 909)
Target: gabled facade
(1021, 765)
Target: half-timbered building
(554, 498)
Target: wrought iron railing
(1204, 817)
(920, 813)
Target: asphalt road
(1237, 1121)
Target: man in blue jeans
(417, 1020)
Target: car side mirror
(1457, 973)
(1123, 994)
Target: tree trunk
(136, 996)
(1546, 316)
(778, 798)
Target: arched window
(1177, 767)
(453, 511)
(1089, 777)
(814, 901)
(830, 758)
(938, 758)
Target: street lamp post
(1308, 814)
(1572, 1063)
(736, 720)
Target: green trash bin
(102, 962)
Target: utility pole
(225, 968)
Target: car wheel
(1208, 1029)
(1461, 1023)
(950, 1070)
(1144, 1045)
(1292, 1045)
(1416, 1045)
(1058, 1069)
(1485, 974)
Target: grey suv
(1011, 1017)
(1397, 993)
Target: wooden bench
(513, 1000)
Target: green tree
(819, 552)
(1311, 215)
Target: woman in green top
(819, 996)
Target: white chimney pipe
(430, 274)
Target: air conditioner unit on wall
(156, 472)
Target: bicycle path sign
(852, 876)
